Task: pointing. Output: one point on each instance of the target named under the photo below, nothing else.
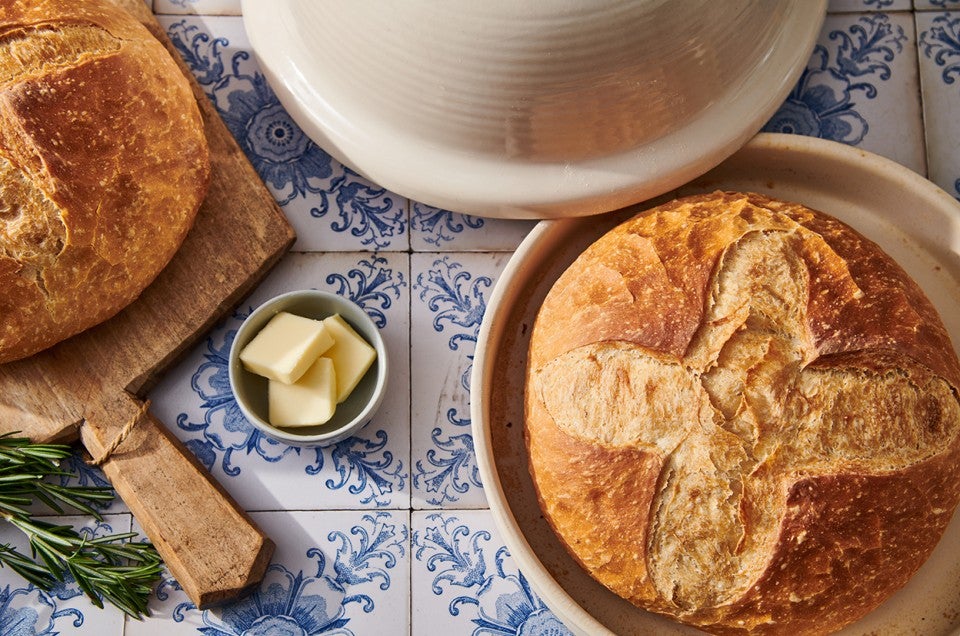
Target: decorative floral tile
(344, 573)
(449, 295)
(330, 206)
(939, 42)
(80, 473)
(351, 558)
(434, 229)
(26, 609)
(369, 470)
(936, 5)
(847, 6)
(861, 88)
(465, 582)
(201, 7)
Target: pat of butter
(352, 355)
(309, 401)
(286, 347)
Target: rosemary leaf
(26, 567)
(111, 568)
(81, 501)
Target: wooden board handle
(209, 544)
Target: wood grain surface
(90, 386)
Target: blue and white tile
(345, 573)
(197, 7)
(437, 230)
(449, 295)
(464, 580)
(25, 609)
(330, 206)
(861, 88)
(849, 6)
(936, 5)
(368, 470)
(78, 472)
(939, 38)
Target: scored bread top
(103, 165)
(743, 414)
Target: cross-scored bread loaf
(103, 165)
(742, 414)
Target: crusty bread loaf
(743, 414)
(103, 164)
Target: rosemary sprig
(110, 567)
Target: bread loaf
(742, 414)
(103, 164)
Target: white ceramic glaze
(912, 219)
(532, 110)
(250, 390)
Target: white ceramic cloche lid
(532, 109)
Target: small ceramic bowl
(250, 389)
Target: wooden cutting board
(91, 386)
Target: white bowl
(913, 220)
(532, 109)
(250, 389)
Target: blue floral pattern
(457, 301)
(372, 285)
(361, 462)
(29, 611)
(349, 577)
(366, 211)
(224, 430)
(378, 550)
(67, 588)
(286, 603)
(941, 43)
(362, 465)
(439, 226)
(365, 466)
(80, 473)
(501, 602)
(822, 104)
(291, 164)
(298, 603)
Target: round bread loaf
(103, 165)
(743, 414)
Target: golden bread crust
(743, 414)
(103, 163)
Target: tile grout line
(410, 251)
(409, 352)
(923, 101)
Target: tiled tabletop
(389, 532)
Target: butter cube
(309, 401)
(351, 355)
(286, 347)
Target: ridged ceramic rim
(924, 238)
(484, 186)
